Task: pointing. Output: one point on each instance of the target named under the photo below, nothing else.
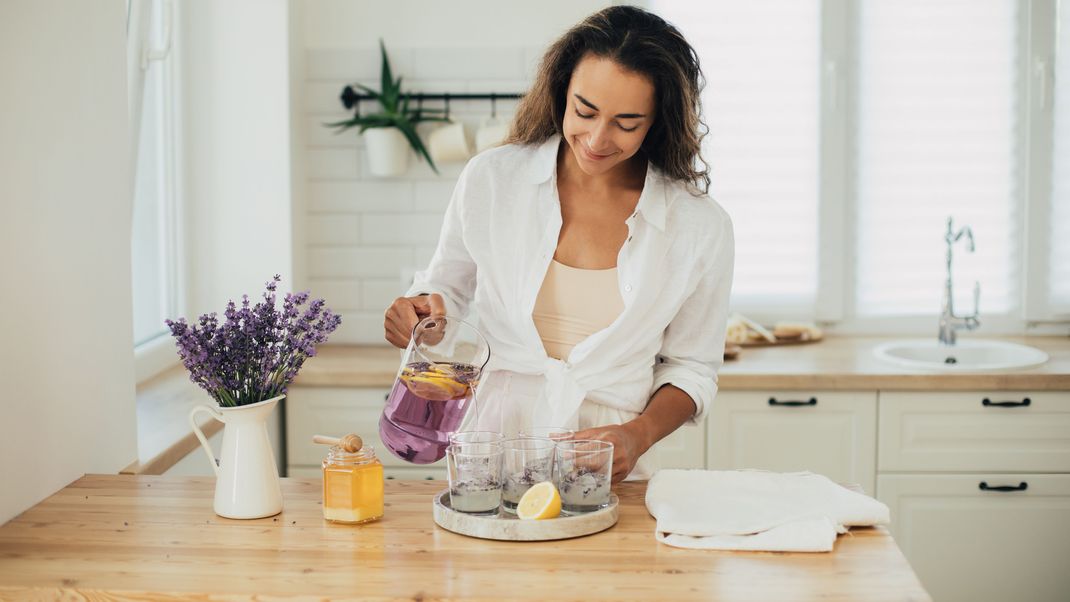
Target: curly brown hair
(640, 42)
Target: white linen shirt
(675, 274)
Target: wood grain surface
(127, 537)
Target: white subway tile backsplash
(363, 262)
(412, 229)
(421, 171)
(422, 255)
(467, 63)
(532, 57)
(341, 295)
(501, 86)
(317, 134)
(355, 63)
(332, 229)
(361, 328)
(333, 163)
(365, 236)
(324, 96)
(380, 196)
(432, 197)
(379, 294)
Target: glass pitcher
(434, 388)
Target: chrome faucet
(949, 322)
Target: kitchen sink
(965, 356)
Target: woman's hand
(405, 312)
(628, 445)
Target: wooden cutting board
(799, 340)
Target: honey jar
(352, 486)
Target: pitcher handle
(200, 435)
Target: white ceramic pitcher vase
(247, 478)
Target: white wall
(66, 361)
(235, 115)
(362, 236)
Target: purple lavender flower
(257, 351)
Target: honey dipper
(350, 443)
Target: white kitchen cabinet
(961, 473)
(335, 411)
(972, 545)
(975, 431)
(685, 448)
(832, 433)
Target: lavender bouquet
(257, 351)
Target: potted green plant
(390, 132)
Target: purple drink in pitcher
(427, 403)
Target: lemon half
(540, 502)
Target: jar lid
(337, 455)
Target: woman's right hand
(405, 312)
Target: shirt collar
(653, 201)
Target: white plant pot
(388, 151)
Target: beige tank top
(573, 304)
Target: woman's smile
(592, 155)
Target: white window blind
(760, 60)
(936, 137)
(1059, 260)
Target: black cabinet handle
(1007, 404)
(1021, 487)
(773, 401)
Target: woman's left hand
(627, 446)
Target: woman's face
(608, 113)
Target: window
(1059, 257)
(155, 233)
(936, 136)
(844, 134)
(760, 60)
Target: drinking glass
(556, 433)
(525, 462)
(584, 469)
(475, 477)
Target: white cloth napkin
(755, 510)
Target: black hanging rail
(350, 97)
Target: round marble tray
(508, 527)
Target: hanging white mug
(247, 478)
(449, 143)
(492, 132)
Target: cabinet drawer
(971, 545)
(958, 431)
(335, 412)
(834, 434)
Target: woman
(598, 269)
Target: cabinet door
(335, 411)
(684, 448)
(957, 431)
(827, 432)
(415, 473)
(972, 545)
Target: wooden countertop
(127, 537)
(835, 363)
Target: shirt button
(627, 288)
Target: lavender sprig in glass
(257, 351)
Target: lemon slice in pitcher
(540, 502)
